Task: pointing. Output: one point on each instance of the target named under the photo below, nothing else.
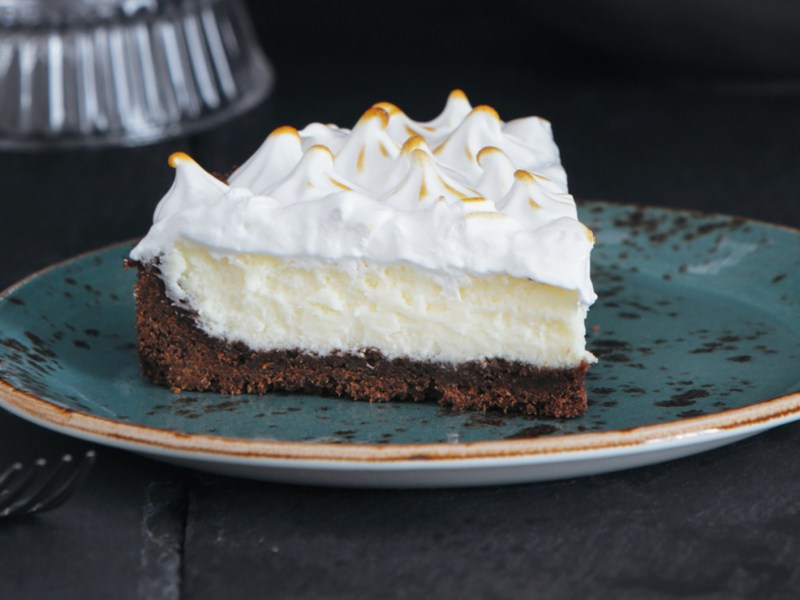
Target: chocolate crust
(174, 352)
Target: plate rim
(753, 417)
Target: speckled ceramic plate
(697, 330)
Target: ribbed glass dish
(123, 72)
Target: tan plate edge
(781, 409)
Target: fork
(41, 487)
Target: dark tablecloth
(722, 524)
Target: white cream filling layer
(401, 310)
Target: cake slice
(399, 260)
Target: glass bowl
(124, 72)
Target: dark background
(567, 39)
(685, 104)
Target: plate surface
(697, 330)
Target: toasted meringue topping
(392, 190)
(177, 157)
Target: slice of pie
(399, 260)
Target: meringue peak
(389, 108)
(527, 192)
(277, 155)
(483, 108)
(497, 174)
(424, 182)
(455, 109)
(415, 142)
(286, 130)
(192, 186)
(178, 157)
(368, 150)
(313, 177)
(457, 95)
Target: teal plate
(697, 331)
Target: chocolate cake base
(174, 352)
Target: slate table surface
(725, 524)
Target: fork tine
(41, 488)
(18, 485)
(10, 473)
(57, 497)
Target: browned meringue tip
(589, 234)
(524, 176)
(375, 112)
(413, 143)
(285, 130)
(411, 132)
(486, 215)
(486, 150)
(529, 176)
(340, 185)
(457, 94)
(391, 109)
(485, 108)
(178, 157)
(321, 148)
(360, 160)
(422, 157)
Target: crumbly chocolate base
(174, 352)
